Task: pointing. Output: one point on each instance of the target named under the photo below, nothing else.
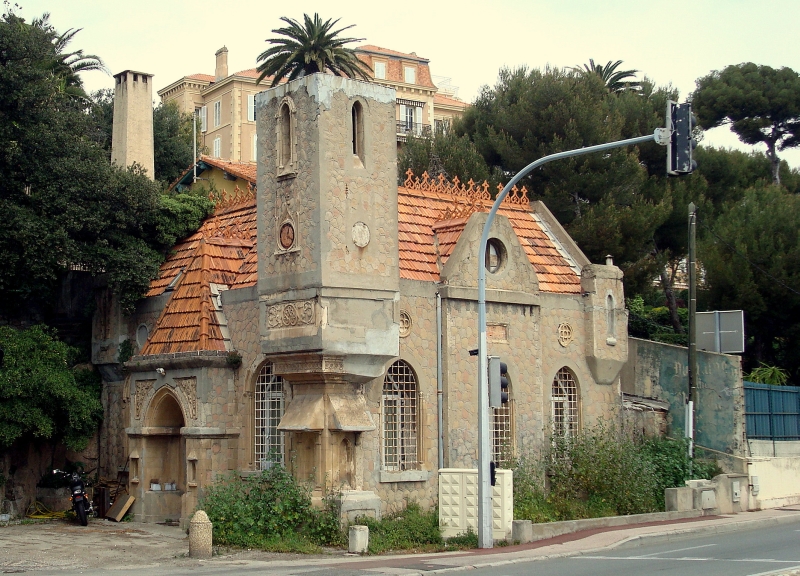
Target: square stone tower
(132, 132)
(327, 225)
(328, 273)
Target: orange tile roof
(432, 214)
(394, 67)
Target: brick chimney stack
(132, 133)
(222, 64)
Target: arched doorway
(163, 473)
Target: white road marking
(690, 559)
(678, 550)
(777, 572)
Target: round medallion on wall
(565, 334)
(405, 323)
(286, 236)
(360, 234)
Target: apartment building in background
(225, 102)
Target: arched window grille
(502, 432)
(564, 401)
(399, 404)
(269, 407)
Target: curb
(666, 537)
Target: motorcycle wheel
(80, 511)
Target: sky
(672, 42)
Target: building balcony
(415, 128)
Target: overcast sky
(673, 41)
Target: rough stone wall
(113, 440)
(657, 370)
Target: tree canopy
(65, 206)
(40, 395)
(761, 104)
(615, 80)
(308, 48)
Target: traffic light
(498, 382)
(680, 123)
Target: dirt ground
(66, 545)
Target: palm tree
(613, 79)
(65, 66)
(309, 48)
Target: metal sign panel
(721, 331)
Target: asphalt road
(772, 550)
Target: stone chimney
(222, 64)
(132, 134)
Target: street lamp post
(485, 540)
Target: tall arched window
(610, 320)
(287, 138)
(269, 407)
(399, 403)
(503, 432)
(564, 402)
(357, 115)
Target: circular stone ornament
(565, 334)
(405, 323)
(287, 235)
(360, 234)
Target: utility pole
(692, 264)
(661, 136)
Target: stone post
(359, 539)
(200, 532)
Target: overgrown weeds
(271, 511)
(601, 472)
(413, 529)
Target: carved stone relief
(143, 387)
(287, 314)
(565, 334)
(189, 388)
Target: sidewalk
(105, 545)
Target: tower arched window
(357, 137)
(610, 318)
(269, 407)
(399, 405)
(564, 403)
(287, 138)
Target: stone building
(323, 320)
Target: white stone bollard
(200, 536)
(359, 539)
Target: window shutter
(403, 118)
(251, 107)
(203, 119)
(418, 117)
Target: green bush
(272, 511)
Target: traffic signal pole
(660, 136)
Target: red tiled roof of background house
(244, 170)
(443, 100)
(394, 67)
(388, 52)
(203, 77)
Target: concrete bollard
(521, 531)
(359, 539)
(200, 536)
